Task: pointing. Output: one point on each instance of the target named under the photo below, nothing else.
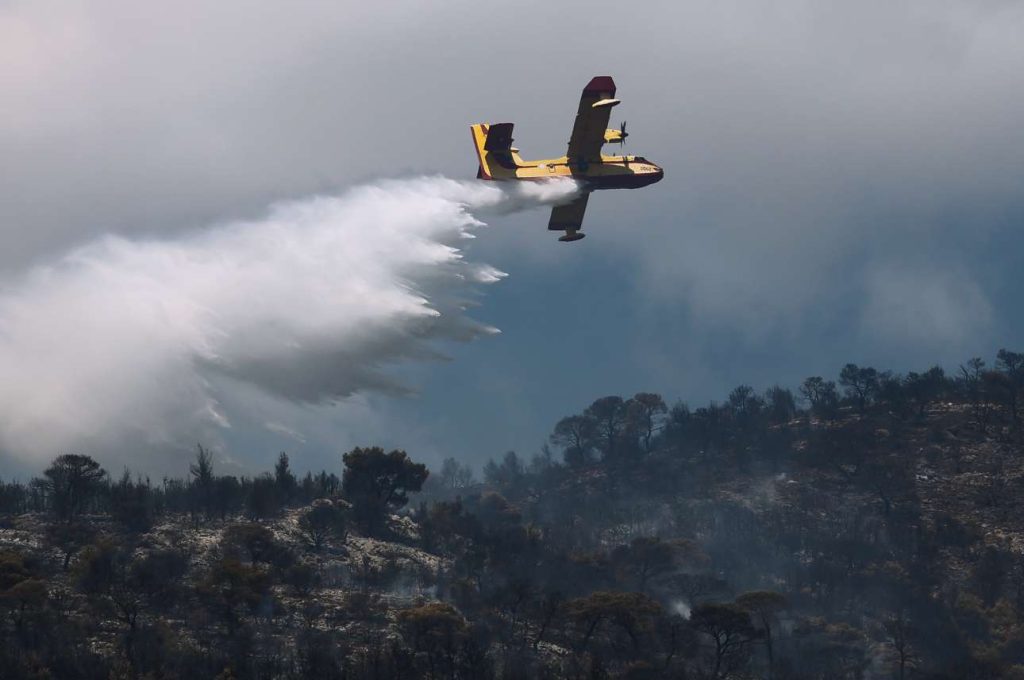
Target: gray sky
(842, 181)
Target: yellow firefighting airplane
(499, 160)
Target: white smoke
(139, 344)
(681, 607)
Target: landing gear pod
(571, 236)
(583, 160)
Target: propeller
(622, 142)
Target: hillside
(876, 533)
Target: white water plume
(138, 343)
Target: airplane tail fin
(499, 137)
(494, 150)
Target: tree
(609, 416)
(322, 522)
(548, 606)
(731, 632)
(861, 384)
(575, 435)
(924, 388)
(632, 613)
(436, 630)
(898, 630)
(326, 484)
(201, 487)
(303, 578)
(644, 416)
(990, 574)
(648, 557)
(72, 482)
(263, 499)
(822, 397)
(231, 585)
(764, 605)
(972, 382)
(709, 426)
(893, 391)
(253, 540)
(131, 503)
(21, 587)
(890, 477)
(13, 497)
(746, 407)
(70, 538)
(376, 483)
(158, 575)
(228, 496)
(781, 404)
(506, 475)
(1011, 364)
(104, 572)
(833, 650)
(454, 475)
(284, 480)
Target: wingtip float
(583, 161)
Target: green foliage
(70, 538)
(576, 436)
(284, 480)
(263, 500)
(506, 475)
(252, 541)
(132, 503)
(323, 522)
(23, 590)
(202, 482)
(732, 540)
(1011, 367)
(73, 482)
(861, 384)
(730, 631)
(235, 589)
(101, 566)
(644, 417)
(455, 475)
(377, 483)
(647, 557)
(438, 632)
(303, 578)
(780, 404)
(822, 397)
(609, 417)
(612, 612)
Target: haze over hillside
(876, 533)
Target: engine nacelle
(612, 136)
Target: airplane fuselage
(611, 172)
(583, 160)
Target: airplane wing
(569, 218)
(592, 120)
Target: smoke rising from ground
(129, 344)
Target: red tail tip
(600, 84)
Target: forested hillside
(870, 527)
